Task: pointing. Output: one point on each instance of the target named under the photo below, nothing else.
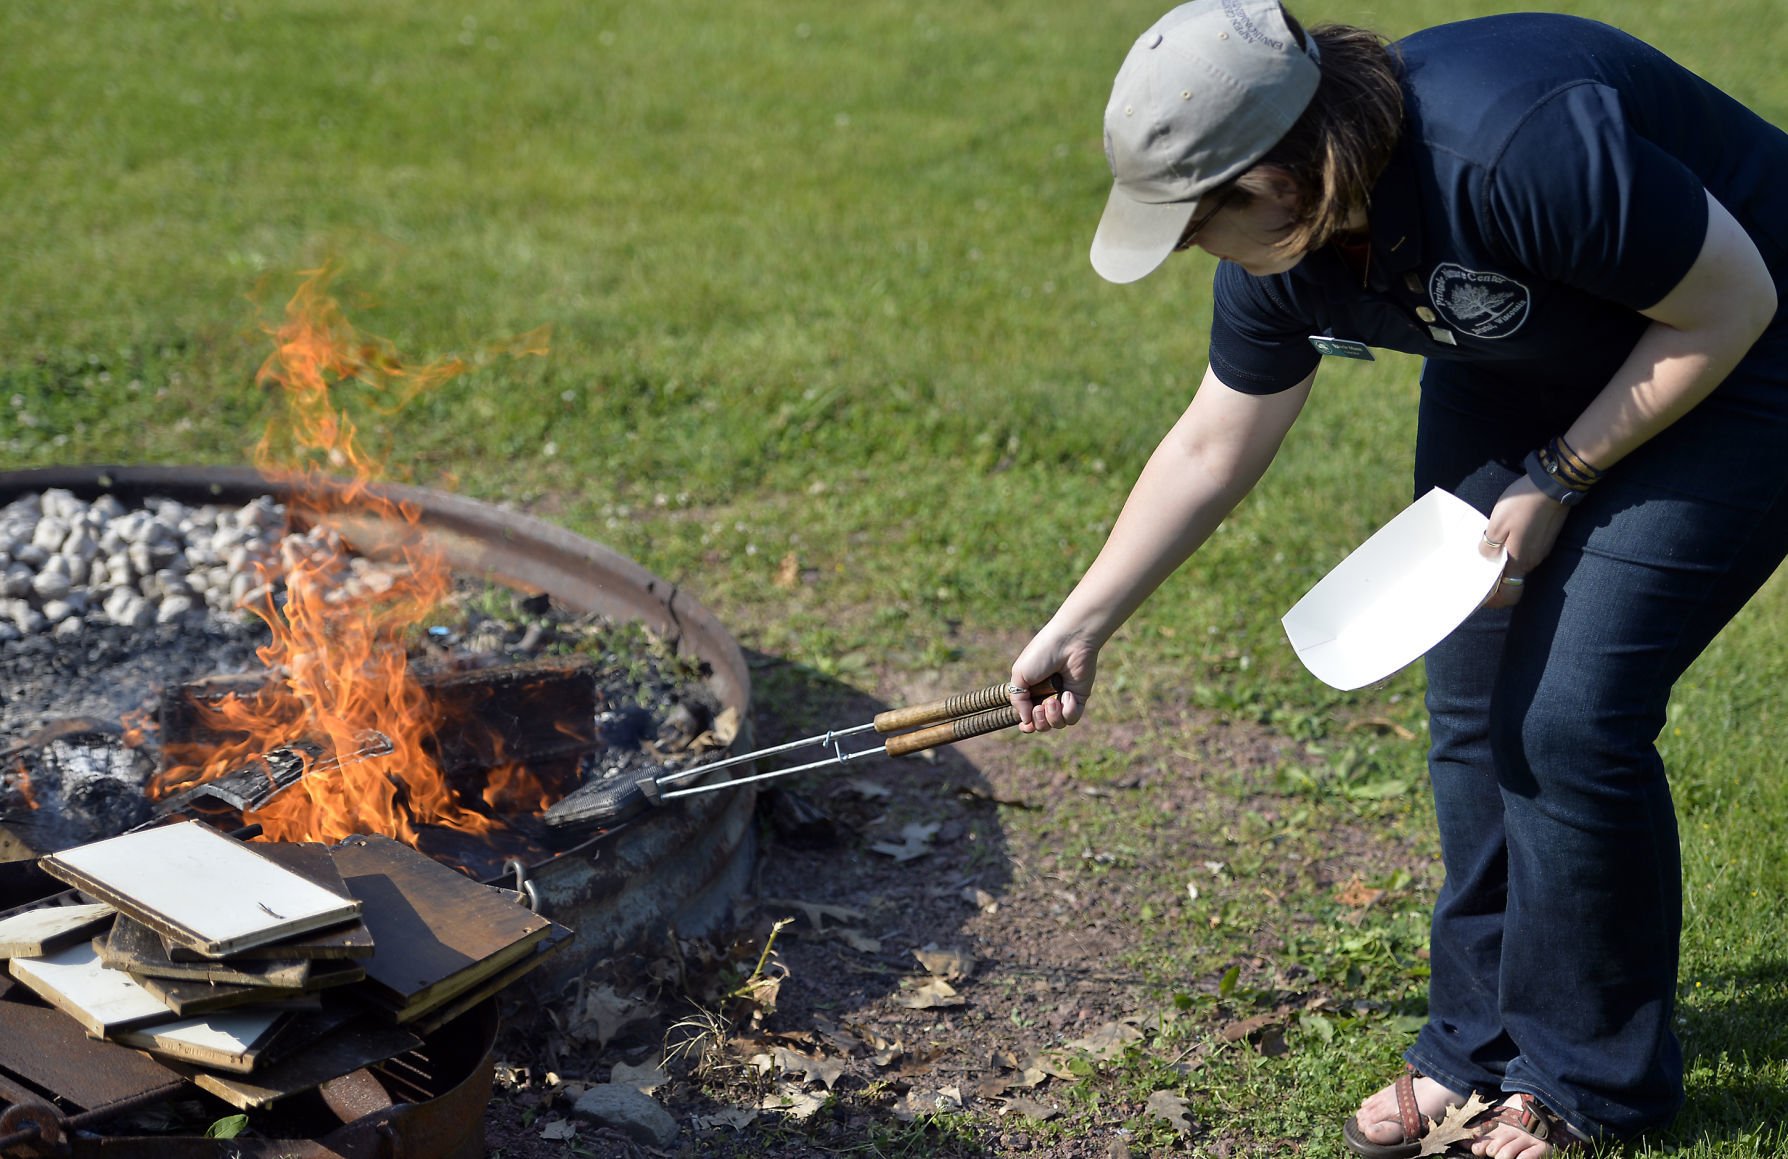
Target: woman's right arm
(1207, 463)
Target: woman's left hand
(1525, 523)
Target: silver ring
(1513, 581)
(1488, 542)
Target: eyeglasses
(1196, 227)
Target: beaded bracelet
(1560, 473)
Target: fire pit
(676, 867)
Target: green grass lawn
(817, 282)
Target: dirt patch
(957, 929)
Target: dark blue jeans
(1555, 937)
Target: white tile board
(36, 932)
(77, 983)
(200, 887)
(227, 1040)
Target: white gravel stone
(80, 543)
(50, 533)
(61, 556)
(50, 585)
(173, 608)
(137, 613)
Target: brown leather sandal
(1534, 1118)
(1409, 1117)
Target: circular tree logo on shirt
(1477, 302)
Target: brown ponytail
(1336, 150)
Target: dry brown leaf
(915, 841)
(1248, 1027)
(862, 943)
(1030, 1109)
(949, 964)
(791, 1100)
(980, 899)
(788, 572)
(846, 1040)
(809, 1067)
(645, 1079)
(1358, 894)
(1106, 1043)
(928, 1101)
(1172, 1106)
(1453, 1127)
(733, 1117)
(605, 1014)
(722, 732)
(1053, 1064)
(1381, 724)
(932, 994)
(815, 912)
(990, 1086)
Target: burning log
(513, 734)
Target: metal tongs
(939, 722)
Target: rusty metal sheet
(355, 1095)
(47, 1049)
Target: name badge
(1341, 347)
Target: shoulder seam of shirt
(1494, 163)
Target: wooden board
(433, 1019)
(438, 932)
(231, 1041)
(205, 890)
(76, 982)
(344, 1051)
(309, 859)
(191, 999)
(132, 946)
(37, 932)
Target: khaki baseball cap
(1203, 94)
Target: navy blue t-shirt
(1548, 184)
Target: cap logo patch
(1246, 28)
(1479, 302)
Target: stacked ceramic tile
(285, 961)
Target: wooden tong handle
(951, 731)
(959, 705)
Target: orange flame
(338, 650)
(22, 782)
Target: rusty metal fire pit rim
(530, 555)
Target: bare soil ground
(899, 877)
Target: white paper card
(1400, 593)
